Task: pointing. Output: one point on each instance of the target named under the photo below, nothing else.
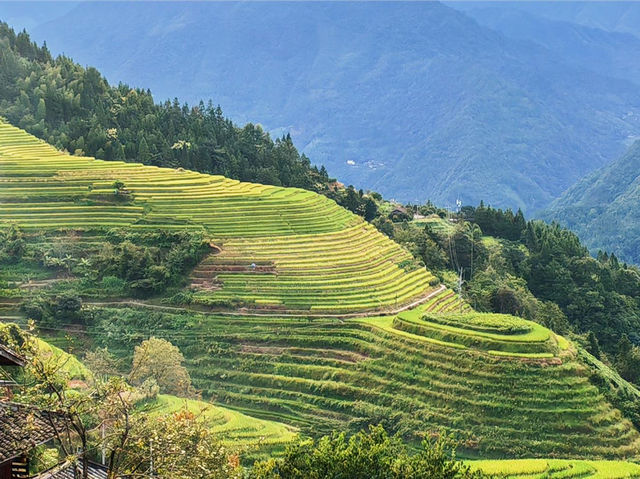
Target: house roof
(66, 471)
(24, 427)
(9, 358)
(399, 209)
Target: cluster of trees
(366, 455)
(147, 262)
(12, 244)
(127, 263)
(357, 202)
(75, 109)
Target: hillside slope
(504, 386)
(604, 207)
(415, 100)
(608, 53)
(620, 17)
(323, 375)
(272, 247)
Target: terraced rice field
(447, 301)
(235, 430)
(323, 375)
(497, 334)
(281, 248)
(557, 469)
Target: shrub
(365, 455)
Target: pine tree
(41, 111)
(370, 209)
(593, 347)
(144, 155)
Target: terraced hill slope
(506, 387)
(236, 430)
(323, 375)
(281, 248)
(557, 469)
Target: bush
(67, 307)
(12, 244)
(112, 285)
(365, 455)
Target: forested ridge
(603, 207)
(75, 109)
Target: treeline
(533, 269)
(75, 109)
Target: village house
(24, 427)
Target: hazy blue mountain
(28, 14)
(415, 100)
(612, 16)
(604, 207)
(608, 53)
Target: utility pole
(103, 447)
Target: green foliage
(627, 360)
(357, 202)
(593, 346)
(67, 307)
(12, 244)
(77, 110)
(146, 262)
(365, 455)
(161, 361)
(64, 307)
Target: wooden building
(24, 427)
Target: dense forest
(75, 109)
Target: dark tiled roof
(65, 471)
(9, 358)
(24, 427)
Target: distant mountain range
(604, 207)
(611, 16)
(416, 100)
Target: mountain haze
(616, 16)
(415, 100)
(608, 53)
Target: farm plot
(499, 334)
(323, 375)
(557, 468)
(236, 430)
(320, 257)
(447, 302)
